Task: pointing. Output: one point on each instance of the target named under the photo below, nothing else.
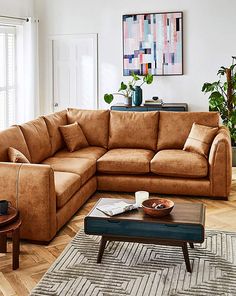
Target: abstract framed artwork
(153, 43)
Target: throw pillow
(16, 156)
(200, 139)
(73, 136)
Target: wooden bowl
(149, 210)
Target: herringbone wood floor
(36, 259)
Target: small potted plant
(223, 99)
(131, 89)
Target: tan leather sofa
(128, 151)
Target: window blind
(7, 76)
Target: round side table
(11, 223)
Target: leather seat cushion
(128, 161)
(91, 152)
(66, 185)
(85, 168)
(179, 163)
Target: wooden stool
(11, 224)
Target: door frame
(94, 37)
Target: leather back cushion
(94, 124)
(37, 139)
(53, 121)
(133, 130)
(12, 137)
(174, 127)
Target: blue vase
(137, 96)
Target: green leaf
(207, 87)
(217, 102)
(233, 118)
(108, 98)
(135, 76)
(225, 86)
(217, 96)
(234, 98)
(123, 86)
(232, 67)
(234, 81)
(221, 71)
(148, 78)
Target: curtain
(27, 71)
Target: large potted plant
(127, 90)
(222, 98)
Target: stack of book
(117, 208)
(154, 103)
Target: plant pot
(137, 96)
(234, 156)
(128, 101)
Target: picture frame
(153, 43)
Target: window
(7, 76)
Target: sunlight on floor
(232, 196)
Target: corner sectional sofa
(128, 151)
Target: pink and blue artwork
(153, 43)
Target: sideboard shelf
(177, 107)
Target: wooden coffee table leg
(186, 257)
(15, 248)
(3, 243)
(191, 245)
(101, 249)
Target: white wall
(209, 42)
(17, 8)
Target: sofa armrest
(36, 197)
(220, 164)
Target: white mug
(141, 196)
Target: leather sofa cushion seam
(179, 176)
(124, 173)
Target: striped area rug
(139, 269)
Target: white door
(74, 71)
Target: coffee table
(185, 224)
